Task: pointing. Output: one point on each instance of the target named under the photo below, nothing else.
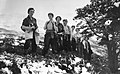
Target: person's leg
(89, 57)
(85, 54)
(26, 46)
(46, 44)
(82, 48)
(58, 44)
(68, 43)
(54, 45)
(65, 43)
(34, 46)
(73, 45)
(79, 50)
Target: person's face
(73, 28)
(77, 30)
(50, 17)
(31, 12)
(65, 22)
(58, 19)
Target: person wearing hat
(50, 36)
(59, 33)
(66, 38)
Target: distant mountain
(6, 31)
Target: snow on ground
(43, 65)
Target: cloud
(12, 22)
(14, 11)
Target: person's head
(31, 11)
(65, 21)
(72, 27)
(50, 15)
(58, 18)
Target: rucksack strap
(52, 25)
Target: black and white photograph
(59, 36)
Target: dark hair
(58, 17)
(65, 20)
(73, 26)
(30, 9)
(77, 29)
(51, 14)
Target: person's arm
(75, 37)
(69, 29)
(71, 34)
(24, 26)
(35, 25)
(55, 27)
(62, 28)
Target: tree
(103, 20)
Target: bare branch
(92, 29)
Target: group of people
(59, 37)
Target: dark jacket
(60, 28)
(29, 23)
(87, 44)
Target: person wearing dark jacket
(29, 26)
(67, 34)
(79, 44)
(72, 38)
(59, 33)
(87, 49)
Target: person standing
(72, 38)
(29, 26)
(79, 44)
(87, 49)
(66, 38)
(59, 33)
(50, 36)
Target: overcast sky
(12, 12)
